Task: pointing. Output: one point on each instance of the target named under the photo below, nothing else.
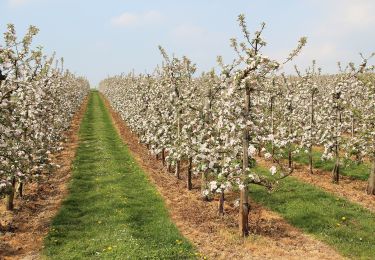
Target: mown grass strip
(112, 211)
(349, 168)
(346, 226)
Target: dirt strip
(217, 237)
(352, 190)
(29, 223)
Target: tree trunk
(178, 169)
(20, 189)
(244, 197)
(221, 203)
(169, 167)
(310, 160)
(244, 212)
(189, 183)
(336, 173)
(336, 169)
(10, 197)
(371, 179)
(163, 156)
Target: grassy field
(344, 225)
(349, 168)
(112, 211)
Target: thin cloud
(349, 17)
(128, 19)
(23, 3)
(18, 3)
(331, 38)
(359, 14)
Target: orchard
(181, 163)
(220, 123)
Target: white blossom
(273, 170)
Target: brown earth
(29, 223)
(217, 237)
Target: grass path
(350, 169)
(346, 226)
(112, 211)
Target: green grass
(112, 211)
(321, 214)
(349, 168)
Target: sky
(99, 38)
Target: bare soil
(217, 237)
(26, 226)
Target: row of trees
(219, 124)
(38, 99)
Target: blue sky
(98, 38)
